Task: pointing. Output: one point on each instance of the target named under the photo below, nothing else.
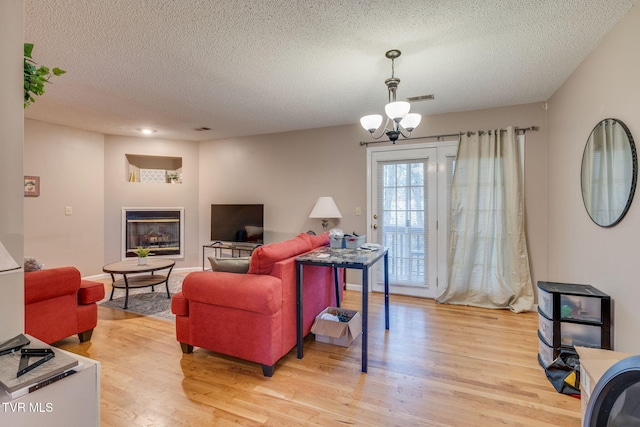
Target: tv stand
(227, 249)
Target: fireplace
(160, 229)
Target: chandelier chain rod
(449, 135)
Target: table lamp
(325, 208)
(7, 263)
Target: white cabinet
(70, 402)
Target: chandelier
(403, 122)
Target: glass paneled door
(409, 205)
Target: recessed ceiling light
(148, 131)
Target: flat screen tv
(237, 223)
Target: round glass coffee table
(132, 276)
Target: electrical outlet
(68, 210)
(358, 211)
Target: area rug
(145, 302)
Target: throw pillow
(230, 265)
(32, 264)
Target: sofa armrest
(251, 292)
(179, 304)
(90, 292)
(43, 285)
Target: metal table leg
(299, 320)
(365, 317)
(336, 280)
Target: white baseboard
(97, 277)
(354, 287)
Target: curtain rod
(447, 135)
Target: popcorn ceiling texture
(254, 67)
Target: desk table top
(342, 257)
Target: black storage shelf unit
(570, 315)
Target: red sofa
(253, 316)
(58, 304)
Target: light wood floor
(438, 365)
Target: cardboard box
(594, 362)
(337, 333)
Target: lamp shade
(371, 122)
(397, 110)
(7, 263)
(411, 121)
(325, 208)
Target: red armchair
(58, 304)
(253, 316)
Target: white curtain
(489, 262)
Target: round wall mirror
(609, 172)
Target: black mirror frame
(634, 177)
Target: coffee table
(132, 276)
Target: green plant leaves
(28, 48)
(35, 77)
(142, 252)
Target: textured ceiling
(264, 66)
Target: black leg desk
(344, 258)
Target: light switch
(358, 211)
(68, 211)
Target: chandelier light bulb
(397, 110)
(371, 122)
(411, 121)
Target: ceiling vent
(202, 129)
(421, 98)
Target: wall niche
(154, 169)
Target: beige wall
(605, 85)
(11, 183)
(70, 165)
(289, 171)
(88, 172)
(120, 193)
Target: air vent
(421, 98)
(202, 129)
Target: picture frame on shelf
(31, 186)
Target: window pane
(403, 220)
(417, 174)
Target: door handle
(375, 226)
(375, 216)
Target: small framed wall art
(31, 186)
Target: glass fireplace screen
(159, 230)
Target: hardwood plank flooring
(438, 365)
